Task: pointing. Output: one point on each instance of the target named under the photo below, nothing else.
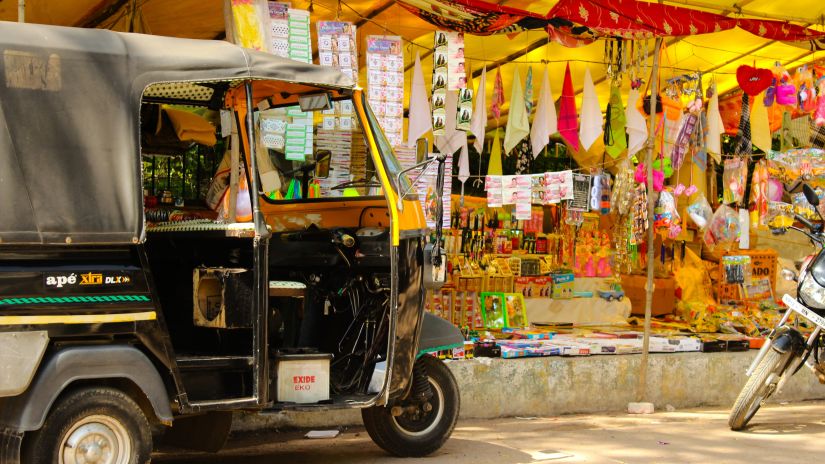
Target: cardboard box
(564, 285)
(664, 295)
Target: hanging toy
(819, 115)
(596, 192)
(759, 194)
(664, 166)
(658, 177)
(807, 94)
(785, 90)
(606, 194)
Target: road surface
(778, 433)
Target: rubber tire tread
(382, 429)
(41, 447)
(738, 419)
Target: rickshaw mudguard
(438, 334)
(28, 411)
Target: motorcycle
(786, 349)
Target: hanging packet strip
(558, 186)
(522, 197)
(440, 81)
(581, 193)
(385, 84)
(493, 186)
(457, 75)
(464, 114)
(279, 28)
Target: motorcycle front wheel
(760, 386)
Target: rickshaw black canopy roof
(69, 123)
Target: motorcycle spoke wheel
(759, 387)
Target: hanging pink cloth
(568, 117)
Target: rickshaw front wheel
(422, 428)
(91, 425)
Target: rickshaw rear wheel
(424, 431)
(91, 425)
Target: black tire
(405, 437)
(759, 387)
(106, 419)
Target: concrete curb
(552, 386)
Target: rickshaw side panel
(28, 411)
(409, 316)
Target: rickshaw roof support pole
(257, 216)
(234, 168)
(260, 270)
(651, 202)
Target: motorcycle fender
(438, 334)
(788, 340)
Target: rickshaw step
(187, 363)
(230, 403)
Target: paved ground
(778, 433)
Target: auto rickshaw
(125, 323)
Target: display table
(594, 310)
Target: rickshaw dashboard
(316, 248)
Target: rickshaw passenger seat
(287, 289)
(291, 296)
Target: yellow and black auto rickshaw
(127, 316)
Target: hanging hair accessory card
(581, 193)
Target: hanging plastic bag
(666, 218)
(733, 180)
(723, 228)
(243, 205)
(700, 212)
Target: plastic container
(303, 378)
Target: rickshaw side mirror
(322, 165)
(421, 149)
(315, 101)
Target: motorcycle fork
(796, 364)
(767, 345)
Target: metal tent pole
(651, 201)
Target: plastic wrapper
(723, 227)
(249, 23)
(621, 196)
(802, 207)
(666, 216)
(789, 166)
(700, 212)
(780, 215)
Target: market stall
(583, 213)
(607, 170)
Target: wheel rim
(96, 439)
(427, 421)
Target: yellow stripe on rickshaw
(78, 318)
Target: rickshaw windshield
(323, 154)
(388, 158)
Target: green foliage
(187, 175)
